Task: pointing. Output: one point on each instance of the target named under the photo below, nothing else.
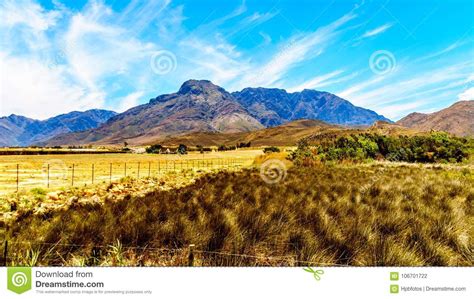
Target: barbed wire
(287, 258)
(26, 176)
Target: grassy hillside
(284, 135)
(362, 214)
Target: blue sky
(394, 57)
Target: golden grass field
(342, 213)
(375, 214)
(33, 169)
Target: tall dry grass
(364, 215)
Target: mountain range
(272, 107)
(201, 106)
(458, 119)
(16, 130)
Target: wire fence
(55, 173)
(186, 256)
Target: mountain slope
(18, 130)
(274, 106)
(282, 135)
(458, 119)
(198, 106)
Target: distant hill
(458, 119)
(284, 135)
(202, 107)
(16, 130)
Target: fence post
(191, 255)
(159, 167)
(149, 169)
(110, 173)
(5, 248)
(5, 253)
(48, 176)
(125, 168)
(17, 176)
(138, 174)
(72, 176)
(92, 174)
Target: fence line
(190, 250)
(62, 174)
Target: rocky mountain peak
(198, 87)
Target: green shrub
(435, 147)
(271, 149)
(154, 149)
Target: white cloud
(139, 14)
(28, 13)
(316, 81)
(128, 102)
(218, 62)
(467, 95)
(379, 91)
(96, 49)
(377, 31)
(24, 24)
(295, 50)
(395, 111)
(267, 39)
(35, 90)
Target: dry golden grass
(364, 215)
(33, 169)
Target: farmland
(85, 169)
(221, 209)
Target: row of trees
(183, 149)
(435, 147)
(159, 149)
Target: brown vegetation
(369, 215)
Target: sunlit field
(371, 214)
(57, 171)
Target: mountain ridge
(201, 106)
(457, 119)
(17, 130)
(273, 106)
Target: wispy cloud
(467, 95)
(99, 56)
(297, 49)
(316, 81)
(128, 102)
(376, 31)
